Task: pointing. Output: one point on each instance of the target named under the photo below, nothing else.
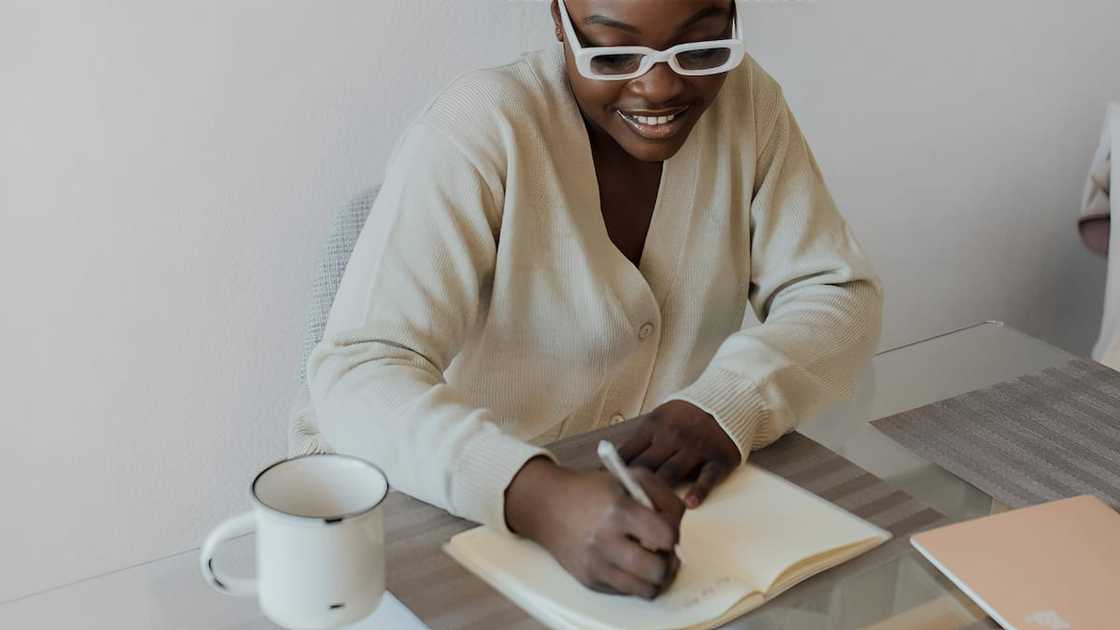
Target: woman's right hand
(598, 533)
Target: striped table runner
(1033, 439)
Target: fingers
(655, 455)
(609, 578)
(710, 474)
(637, 443)
(626, 554)
(651, 529)
(674, 568)
(657, 529)
(680, 466)
(665, 500)
(627, 568)
(628, 549)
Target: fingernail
(691, 501)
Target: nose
(661, 84)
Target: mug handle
(230, 528)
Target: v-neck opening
(649, 229)
(667, 233)
(647, 237)
(604, 233)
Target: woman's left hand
(679, 441)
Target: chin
(654, 151)
(645, 150)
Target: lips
(648, 117)
(655, 127)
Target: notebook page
(547, 612)
(528, 575)
(762, 525)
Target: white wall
(956, 136)
(167, 171)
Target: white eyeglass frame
(650, 57)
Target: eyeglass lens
(702, 59)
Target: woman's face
(657, 24)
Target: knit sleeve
(413, 290)
(813, 290)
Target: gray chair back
(346, 224)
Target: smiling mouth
(652, 121)
(655, 127)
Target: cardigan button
(645, 330)
(617, 418)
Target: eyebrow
(696, 17)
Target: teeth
(651, 120)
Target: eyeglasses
(618, 63)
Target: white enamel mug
(320, 541)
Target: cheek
(592, 95)
(599, 98)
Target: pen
(614, 464)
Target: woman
(557, 248)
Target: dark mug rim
(329, 520)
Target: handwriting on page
(693, 597)
(695, 593)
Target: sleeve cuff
(735, 403)
(486, 467)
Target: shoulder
(763, 85)
(501, 89)
(485, 109)
(747, 108)
(475, 126)
(751, 94)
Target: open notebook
(755, 536)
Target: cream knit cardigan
(485, 310)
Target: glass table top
(902, 592)
(907, 592)
(918, 374)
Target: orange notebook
(1054, 566)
